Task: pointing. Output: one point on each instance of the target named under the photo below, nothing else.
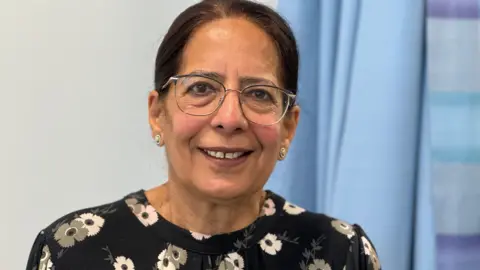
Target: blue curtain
(362, 151)
(454, 93)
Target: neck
(198, 214)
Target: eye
(259, 95)
(201, 89)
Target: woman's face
(235, 49)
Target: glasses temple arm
(171, 79)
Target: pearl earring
(158, 139)
(282, 154)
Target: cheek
(185, 126)
(181, 126)
(268, 136)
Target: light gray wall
(74, 78)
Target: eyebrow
(244, 80)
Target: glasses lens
(264, 105)
(198, 95)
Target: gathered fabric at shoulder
(39, 255)
(362, 254)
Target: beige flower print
(292, 209)
(270, 244)
(134, 205)
(371, 253)
(343, 228)
(172, 258)
(68, 233)
(45, 259)
(147, 215)
(178, 255)
(268, 207)
(123, 263)
(200, 236)
(319, 265)
(92, 223)
(233, 261)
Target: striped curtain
(360, 153)
(453, 77)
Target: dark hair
(169, 55)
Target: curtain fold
(361, 153)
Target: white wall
(74, 78)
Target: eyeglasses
(201, 95)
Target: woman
(224, 109)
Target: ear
(155, 113)
(290, 123)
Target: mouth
(225, 153)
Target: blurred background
(389, 136)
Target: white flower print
(172, 258)
(343, 228)
(45, 259)
(292, 209)
(200, 236)
(123, 263)
(370, 251)
(92, 223)
(225, 265)
(147, 215)
(236, 260)
(49, 265)
(268, 207)
(120, 262)
(45, 254)
(271, 244)
(319, 265)
(177, 255)
(367, 247)
(164, 263)
(233, 261)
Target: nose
(229, 117)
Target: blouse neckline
(200, 243)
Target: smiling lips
(226, 153)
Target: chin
(221, 189)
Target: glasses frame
(174, 79)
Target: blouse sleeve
(39, 254)
(362, 254)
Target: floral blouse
(129, 234)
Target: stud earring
(158, 140)
(282, 154)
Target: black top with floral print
(129, 234)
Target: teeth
(218, 154)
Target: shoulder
(334, 236)
(86, 222)
(342, 243)
(309, 223)
(330, 240)
(81, 228)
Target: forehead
(234, 47)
